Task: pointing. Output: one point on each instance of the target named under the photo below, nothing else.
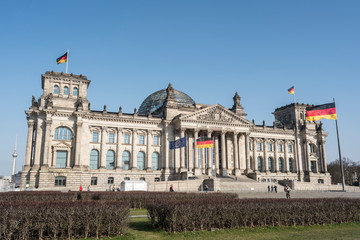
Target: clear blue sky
(207, 49)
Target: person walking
(171, 188)
(287, 190)
(272, 188)
(89, 188)
(80, 189)
(268, 188)
(275, 188)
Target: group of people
(272, 188)
(81, 188)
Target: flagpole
(67, 61)
(341, 163)
(296, 143)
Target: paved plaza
(300, 194)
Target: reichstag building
(69, 144)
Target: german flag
(62, 59)
(291, 90)
(205, 143)
(318, 112)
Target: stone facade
(69, 144)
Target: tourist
(80, 189)
(275, 188)
(171, 188)
(89, 188)
(206, 188)
(269, 188)
(287, 190)
(272, 188)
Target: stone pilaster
(266, 156)
(286, 161)
(118, 161)
(29, 143)
(38, 143)
(323, 156)
(255, 161)
(148, 153)
(102, 149)
(78, 144)
(133, 163)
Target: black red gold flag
(62, 59)
(318, 112)
(291, 90)
(206, 143)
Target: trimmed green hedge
(204, 214)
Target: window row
(111, 139)
(75, 91)
(61, 181)
(271, 147)
(125, 160)
(271, 164)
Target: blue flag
(181, 142)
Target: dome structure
(157, 99)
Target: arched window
(141, 161)
(126, 160)
(155, 161)
(94, 159)
(110, 160)
(291, 165)
(66, 90)
(270, 163)
(62, 133)
(260, 164)
(75, 91)
(281, 164)
(56, 89)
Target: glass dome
(157, 99)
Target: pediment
(215, 113)
(61, 144)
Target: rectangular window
(61, 157)
(127, 138)
(94, 181)
(270, 147)
(156, 140)
(60, 181)
(313, 166)
(280, 149)
(259, 146)
(290, 149)
(142, 139)
(110, 180)
(111, 137)
(95, 137)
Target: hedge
(204, 214)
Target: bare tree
(351, 171)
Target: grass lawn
(140, 228)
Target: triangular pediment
(62, 144)
(215, 113)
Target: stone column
(196, 155)
(203, 162)
(46, 157)
(286, 161)
(148, 153)
(165, 154)
(323, 156)
(133, 163)
(256, 169)
(247, 153)
(223, 154)
(38, 141)
(191, 152)
(29, 143)
(210, 156)
(102, 148)
(276, 156)
(78, 144)
(236, 154)
(308, 163)
(118, 162)
(266, 156)
(216, 152)
(182, 152)
(242, 153)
